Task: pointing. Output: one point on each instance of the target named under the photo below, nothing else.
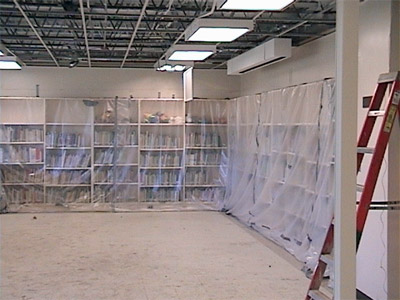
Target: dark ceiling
(136, 33)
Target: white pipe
(134, 32)
(35, 31)
(85, 32)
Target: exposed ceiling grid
(137, 33)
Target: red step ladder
(391, 80)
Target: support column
(393, 229)
(347, 13)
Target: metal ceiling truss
(136, 33)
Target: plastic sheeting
(111, 153)
(281, 166)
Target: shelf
(161, 124)
(161, 149)
(206, 148)
(160, 168)
(117, 165)
(117, 183)
(21, 143)
(113, 124)
(68, 185)
(204, 185)
(67, 168)
(68, 124)
(68, 148)
(208, 125)
(22, 163)
(117, 146)
(160, 186)
(289, 124)
(21, 124)
(204, 166)
(22, 184)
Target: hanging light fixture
(172, 66)
(217, 30)
(9, 63)
(190, 52)
(254, 4)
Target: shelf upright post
(139, 131)
(92, 155)
(114, 159)
(44, 150)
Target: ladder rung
(360, 188)
(365, 150)
(389, 77)
(327, 258)
(376, 113)
(318, 295)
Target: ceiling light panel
(190, 52)
(217, 30)
(254, 4)
(1, 53)
(9, 63)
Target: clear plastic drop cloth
(119, 154)
(206, 143)
(281, 166)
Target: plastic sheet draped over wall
(281, 168)
(110, 154)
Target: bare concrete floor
(160, 255)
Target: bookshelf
(22, 149)
(206, 144)
(61, 151)
(161, 150)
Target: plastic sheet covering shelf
(281, 168)
(111, 154)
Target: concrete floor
(150, 255)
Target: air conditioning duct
(271, 52)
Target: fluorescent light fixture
(217, 30)
(9, 63)
(1, 53)
(190, 52)
(172, 66)
(254, 4)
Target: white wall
(374, 59)
(83, 82)
(311, 62)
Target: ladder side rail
(377, 158)
(369, 122)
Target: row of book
(203, 158)
(22, 195)
(68, 160)
(205, 194)
(69, 195)
(66, 139)
(107, 194)
(122, 175)
(160, 178)
(125, 136)
(208, 139)
(202, 177)
(161, 195)
(122, 156)
(21, 154)
(21, 134)
(152, 140)
(150, 159)
(22, 175)
(67, 177)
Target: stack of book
(20, 134)
(67, 177)
(65, 139)
(160, 160)
(152, 140)
(21, 154)
(68, 160)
